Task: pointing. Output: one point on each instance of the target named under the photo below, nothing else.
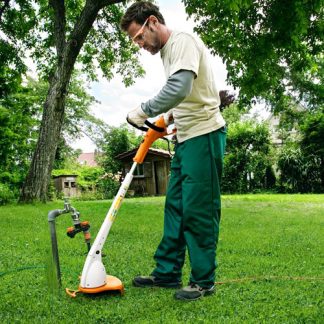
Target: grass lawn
(267, 237)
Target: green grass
(267, 237)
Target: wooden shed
(67, 184)
(151, 177)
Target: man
(192, 207)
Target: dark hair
(139, 12)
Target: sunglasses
(139, 36)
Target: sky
(116, 100)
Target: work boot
(151, 281)
(193, 292)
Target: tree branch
(81, 31)
(3, 8)
(104, 3)
(59, 25)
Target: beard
(154, 45)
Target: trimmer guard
(112, 284)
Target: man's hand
(136, 117)
(168, 118)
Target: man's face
(145, 36)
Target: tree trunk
(37, 181)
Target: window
(66, 184)
(139, 171)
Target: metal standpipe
(51, 221)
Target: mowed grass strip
(267, 242)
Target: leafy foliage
(273, 49)
(11, 69)
(19, 119)
(6, 194)
(115, 141)
(299, 172)
(118, 140)
(57, 35)
(246, 163)
(92, 182)
(106, 47)
(301, 162)
(312, 131)
(232, 114)
(20, 114)
(110, 48)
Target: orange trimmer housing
(150, 137)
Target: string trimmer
(94, 278)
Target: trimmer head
(112, 284)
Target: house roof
(152, 151)
(88, 159)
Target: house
(67, 184)
(88, 159)
(152, 176)
(277, 138)
(273, 122)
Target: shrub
(247, 163)
(298, 172)
(6, 194)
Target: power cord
(228, 281)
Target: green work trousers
(193, 210)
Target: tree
(117, 140)
(273, 49)
(20, 116)
(226, 98)
(13, 114)
(57, 35)
(19, 120)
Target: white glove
(137, 117)
(168, 118)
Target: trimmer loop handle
(145, 129)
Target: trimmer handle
(159, 130)
(143, 128)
